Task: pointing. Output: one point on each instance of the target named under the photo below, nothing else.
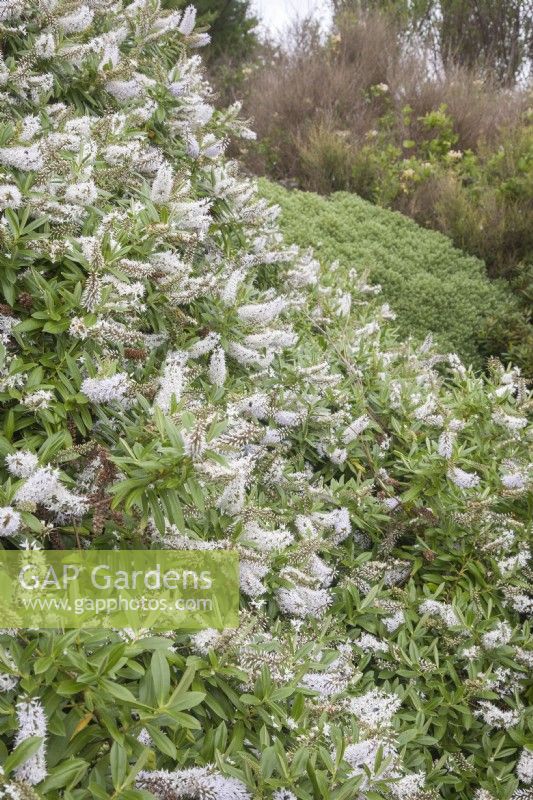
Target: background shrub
(496, 35)
(232, 28)
(366, 79)
(431, 285)
(382, 108)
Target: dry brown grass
(297, 96)
(480, 110)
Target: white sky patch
(277, 15)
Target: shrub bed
(366, 111)
(362, 111)
(431, 285)
(174, 377)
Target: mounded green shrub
(431, 285)
(172, 376)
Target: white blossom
(462, 479)
(371, 644)
(44, 487)
(7, 682)
(172, 380)
(84, 193)
(45, 45)
(78, 21)
(204, 346)
(265, 540)
(232, 499)
(162, 184)
(457, 365)
(375, 708)
(197, 782)
(435, 608)
(217, 367)
(445, 446)
(24, 158)
(426, 409)
(38, 400)
(334, 680)
(524, 768)
(456, 425)
(409, 786)
(261, 313)
(230, 287)
(270, 451)
(355, 428)
(521, 602)
(144, 738)
(362, 758)
(338, 456)
(394, 621)
(471, 653)
(287, 419)
(10, 10)
(199, 40)
(251, 577)
(338, 521)
(248, 357)
(205, 640)
(256, 406)
(9, 521)
(498, 717)
(188, 22)
(514, 480)
(524, 656)
(22, 463)
(107, 390)
(301, 601)
(10, 196)
(392, 503)
(284, 794)
(498, 637)
(509, 421)
(124, 91)
(32, 722)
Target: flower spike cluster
(173, 376)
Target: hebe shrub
(361, 111)
(431, 285)
(174, 377)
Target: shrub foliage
(232, 28)
(494, 35)
(360, 112)
(174, 377)
(431, 285)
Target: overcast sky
(276, 15)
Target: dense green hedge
(431, 285)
